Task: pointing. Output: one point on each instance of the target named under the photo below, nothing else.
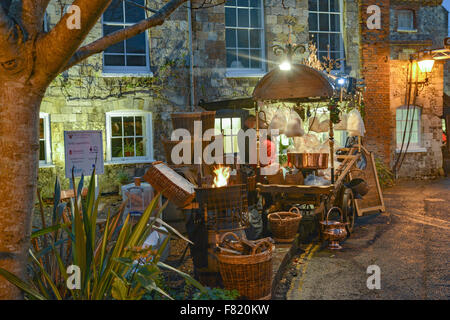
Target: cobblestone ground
(410, 243)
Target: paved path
(410, 243)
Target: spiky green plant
(105, 258)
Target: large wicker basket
(185, 120)
(169, 145)
(284, 225)
(173, 186)
(250, 274)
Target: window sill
(131, 161)
(127, 74)
(407, 30)
(414, 150)
(245, 73)
(46, 165)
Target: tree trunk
(19, 145)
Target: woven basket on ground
(251, 275)
(284, 225)
(172, 185)
(185, 120)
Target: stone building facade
(144, 80)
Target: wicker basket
(170, 183)
(250, 274)
(284, 225)
(185, 120)
(208, 120)
(169, 145)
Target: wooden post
(331, 137)
(258, 168)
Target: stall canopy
(299, 82)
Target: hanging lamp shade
(299, 82)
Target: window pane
(128, 147)
(242, 3)
(136, 61)
(236, 122)
(42, 150)
(335, 42)
(323, 5)
(334, 6)
(140, 147)
(312, 5)
(134, 13)
(114, 13)
(232, 61)
(242, 38)
(128, 126)
(136, 44)
(41, 129)
(243, 17)
(323, 41)
(227, 145)
(256, 59)
(230, 17)
(235, 144)
(244, 58)
(230, 3)
(255, 18)
(255, 3)
(226, 123)
(255, 39)
(324, 22)
(116, 126)
(116, 147)
(118, 47)
(116, 60)
(230, 37)
(139, 125)
(312, 20)
(335, 20)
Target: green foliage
(113, 263)
(123, 177)
(385, 175)
(217, 294)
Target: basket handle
(276, 214)
(295, 209)
(259, 245)
(340, 213)
(222, 238)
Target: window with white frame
(405, 20)
(129, 136)
(128, 56)
(408, 121)
(244, 35)
(229, 127)
(325, 28)
(45, 149)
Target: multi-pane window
(44, 139)
(325, 29)
(405, 20)
(129, 136)
(407, 122)
(129, 55)
(229, 127)
(244, 34)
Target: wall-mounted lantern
(426, 63)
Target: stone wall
(427, 162)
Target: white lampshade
(426, 65)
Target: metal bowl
(313, 161)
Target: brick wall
(375, 56)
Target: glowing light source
(285, 66)
(222, 176)
(426, 64)
(341, 81)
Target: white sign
(83, 152)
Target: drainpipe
(191, 57)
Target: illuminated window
(407, 122)
(229, 127)
(45, 149)
(129, 136)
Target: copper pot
(313, 161)
(334, 231)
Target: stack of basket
(246, 266)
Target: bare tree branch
(64, 41)
(123, 34)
